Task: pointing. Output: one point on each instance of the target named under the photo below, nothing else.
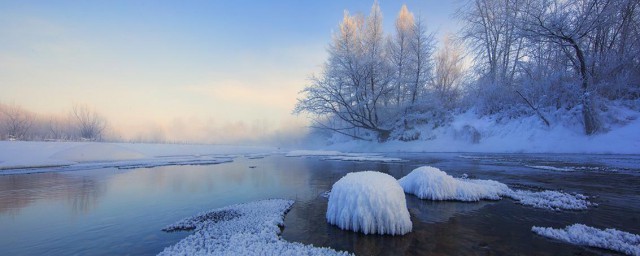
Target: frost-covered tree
(89, 123)
(448, 72)
(16, 121)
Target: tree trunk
(591, 124)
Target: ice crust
(241, 229)
(580, 234)
(369, 202)
(431, 183)
(340, 156)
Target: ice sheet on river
(241, 229)
(340, 156)
(431, 183)
(580, 234)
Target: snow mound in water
(580, 234)
(242, 229)
(431, 183)
(369, 202)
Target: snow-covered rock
(369, 202)
(431, 183)
(242, 229)
(580, 234)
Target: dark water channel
(116, 212)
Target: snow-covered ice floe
(580, 234)
(431, 183)
(340, 156)
(241, 229)
(369, 202)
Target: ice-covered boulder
(369, 202)
(431, 183)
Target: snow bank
(242, 229)
(431, 183)
(369, 202)
(580, 234)
(500, 135)
(19, 157)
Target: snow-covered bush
(431, 183)
(369, 202)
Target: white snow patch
(241, 229)
(369, 202)
(431, 183)
(580, 234)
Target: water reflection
(18, 191)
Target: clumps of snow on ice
(552, 200)
(580, 234)
(241, 229)
(431, 183)
(369, 202)
(340, 156)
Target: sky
(204, 71)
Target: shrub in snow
(580, 234)
(431, 183)
(242, 229)
(369, 202)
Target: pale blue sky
(185, 68)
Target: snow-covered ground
(431, 183)
(28, 157)
(369, 202)
(489, 134)
(241, 229)
(580, 234)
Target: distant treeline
(512, 58)
(82, 123)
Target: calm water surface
(116, 212)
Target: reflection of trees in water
(84, 195)
(19, 191)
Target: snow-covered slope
(369, 202)
(470, 133)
